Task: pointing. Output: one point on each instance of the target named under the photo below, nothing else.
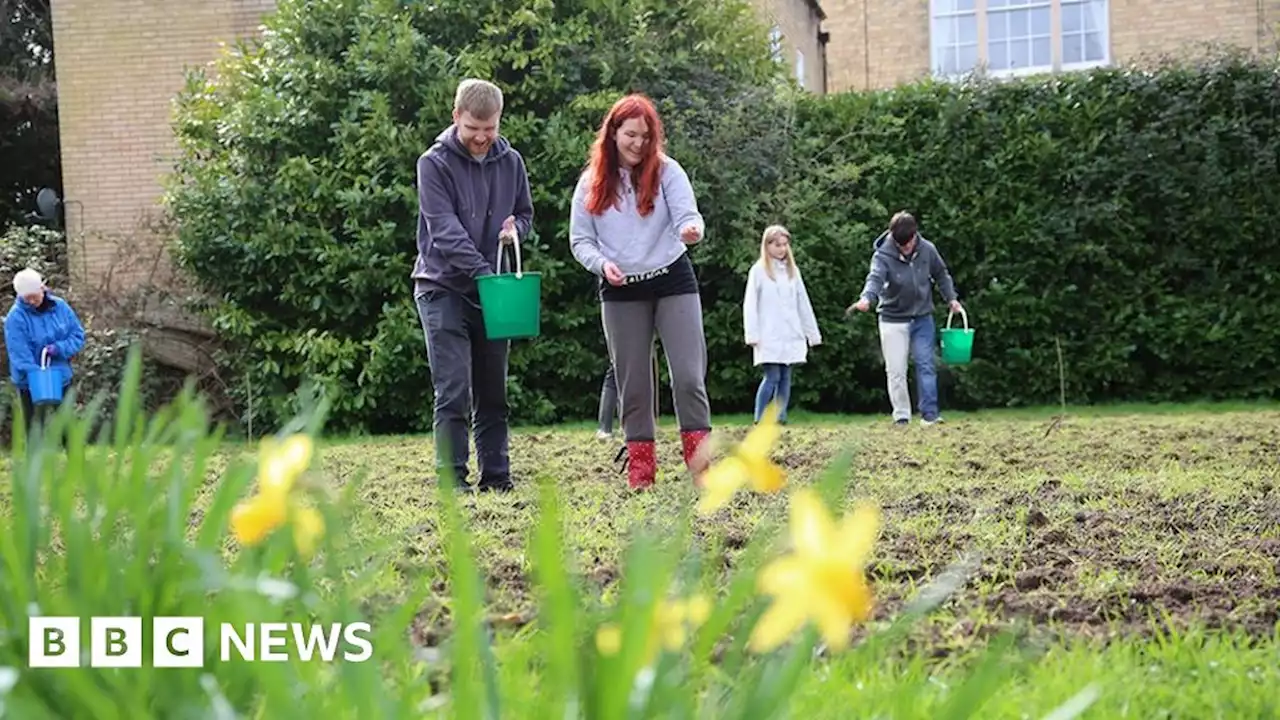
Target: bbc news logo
(178, 642)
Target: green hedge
(1130, 215)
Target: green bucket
(957, 343)
(511, 303)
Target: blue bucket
(45, 382)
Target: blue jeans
(914, 340)
(775, 385)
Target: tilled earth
(1088, 526)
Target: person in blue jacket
(39, 324)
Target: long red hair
(604, 157)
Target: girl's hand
(613, 274)
(690, 234)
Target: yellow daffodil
(308, 526)
(821, 579)
(279, 466)
(675, 620)
(254, 519)
(672, 622)
(609, 639)
(280, 463)
(748, 464)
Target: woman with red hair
(633, 215)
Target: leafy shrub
(295, 200)
(36, 247)
(1108, 209)
(1105, 212)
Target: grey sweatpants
(629, 329)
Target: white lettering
(268, 640)
(328, 645)
(243, 644)
(351, 635)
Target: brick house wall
(899, 49)
(798, 38)
(119, 63)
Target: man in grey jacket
(473, 195)
(904, 267)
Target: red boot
(692, 441)
(642, 464)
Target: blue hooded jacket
(28, 330)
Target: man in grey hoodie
(473, 195)
(904, 267)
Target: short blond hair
(481, 98)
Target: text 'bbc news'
(179, 642)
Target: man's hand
(508, 234)
(956, 306)
(52, 350)
(862, 305)
(613, 274)
(690, 234)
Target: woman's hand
(613, 274)
(690, 234)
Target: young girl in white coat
(777, 319)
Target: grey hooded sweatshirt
(462, 202)
(904, 284)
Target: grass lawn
(1126, 559)
(1137, 550)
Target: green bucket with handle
(511, 302)
(957, 343)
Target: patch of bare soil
(1076, 531)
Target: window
(1084, 33)
(955, 36)
(800, 68)
(1013, 37)
(1018, 35)
(775, 43)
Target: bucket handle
(503, 256)
(44, 358)
(963, 315)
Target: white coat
(777, 316)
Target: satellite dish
(47, 203)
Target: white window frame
(799, 68)
(982, 13)
(937, 16)
(1104, 31)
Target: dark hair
(902, 227)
